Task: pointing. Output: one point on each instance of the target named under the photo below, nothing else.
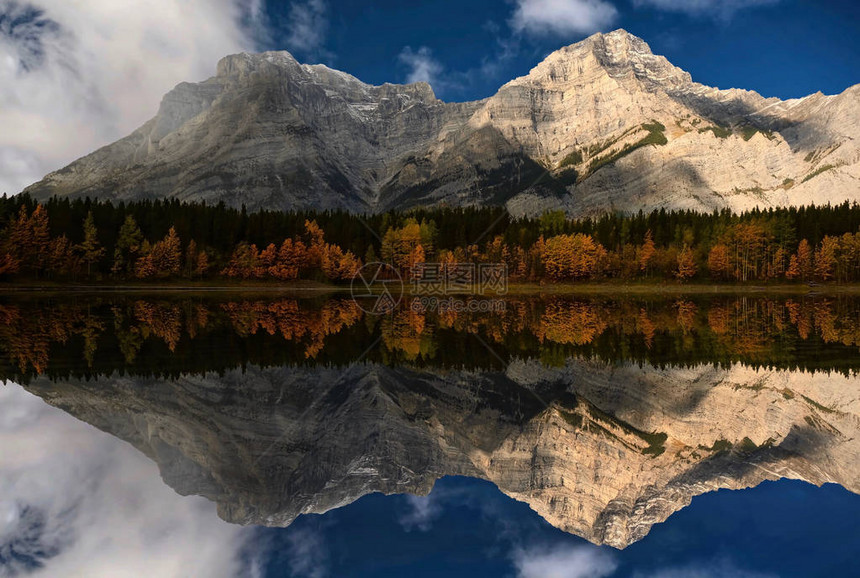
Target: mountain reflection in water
(604, 416)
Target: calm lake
(537, 436)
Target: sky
(77, 75)
(75, 501)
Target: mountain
(604, 451)
(603, 124)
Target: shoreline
(514, 289)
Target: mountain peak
(619, 54)
(245, 62)
(613, 123)
(620, 45)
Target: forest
(97, 241)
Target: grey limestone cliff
(602, 451)
(603, 124)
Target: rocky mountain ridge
(602, 451)
(603, 124)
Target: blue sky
(468, 48)
(467, 527)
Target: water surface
(555, 434)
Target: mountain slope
(602, 124)
(615, 450)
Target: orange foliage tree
(573, 257)
(825, 258)
(686, 264)
(718, 262)
(164, 259)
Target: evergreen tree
(370, 256)
(90, 249)
(128, 246)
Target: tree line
(167, 239)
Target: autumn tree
(164, 259)
(167, 254)
(315, 244)
(28, 240)
(339, 265)
(793, 271)
(8, 264)
(825, 258)
(628, 263)
(746, 245)
(144, 268)
(686, 264)
(90, 249)
(244, 262)
(202, 265)
(196, 261)
(291, 260)
(268, 258)
(573, 257)
(63, 258)
(849, 257)
(804, 260)
(41, 237)
(718, 262)
(18, 237)
(646, 253)
(398, 245)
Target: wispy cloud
(78, 502)
(562, 17)
(422, 511)
(422, 65)
(564, 562)
(720, 9)
(307, 554)
(77, 75)
(530, 18)
(307, 28)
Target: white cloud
(423, 510)
(77, 75)
(423, 67)
(562, 17)
(307, 27)
(97, 507)
(564, 562)
(722, 9)
(307, 554)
